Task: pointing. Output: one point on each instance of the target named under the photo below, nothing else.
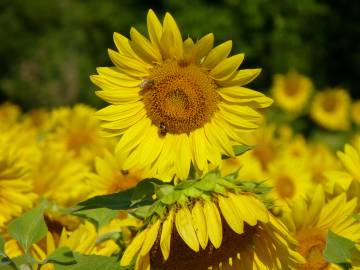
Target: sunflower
(175, 102)
(291, 92)
(355, 112)
(9, 114)
(290, 179)
(59, 176)
(16, 193)
(310, 220)
(330, 109)
(208, 229)
(84, 240)
(350, 160)
(79, 131)
(109, 178)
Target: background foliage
(48, 49)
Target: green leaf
(98, 216)
(2, 247)
(239, 150)
(29, 228)
(93, 262)
(62, 255)
(134, 197)
(116, 201)
(24, 261)
(338, 249)
(144, 191)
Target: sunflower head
(172, 96)
(213, 223)
(291, 92)
(16, 194)
(330, 109)
(355, 112)
(310, 219)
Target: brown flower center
(311, 246)
(285, 186)
(179, 97)
(183, 258)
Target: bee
(163, 129)
(146, 83)
(124, 172)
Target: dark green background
(48, 48)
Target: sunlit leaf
(29, 228)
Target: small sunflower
(85, 240)
(212, 223)
(16, 194)
(355, 112)
(109, 178)
(59, 176)
(350, 160)
(79, 131)
(175, 102)
(310, 220)
(9, 114)
(290, 179)
(330, 109)
(291, 92)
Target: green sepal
(239, 150)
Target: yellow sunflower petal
(217, 54)
(227, 67)
(133, 136)
(166, 233)
(185, 228)
(151, 236)
(133, 248)
(213, 223)
(203, 46)
(230, 214)
(123, 45)
(242, 77)
(240, 204)
(171, 41)
(199, 223)
(154, 28)
(129, 65)
(183, 163)
(144, 48)
(113, 75)
(143, 263)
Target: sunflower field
(183, 154)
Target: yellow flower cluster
(331, 109)
(179, 113)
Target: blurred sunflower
(84, 240)
(9, 114)
(330, 109)
(311, 220)
(355, 112)
(291, 180)
(212, 230)
(350, 160)
(176, 101)
(291, 92)
(79, 131)
(109, 178)
(59, 176)
(16, 193)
